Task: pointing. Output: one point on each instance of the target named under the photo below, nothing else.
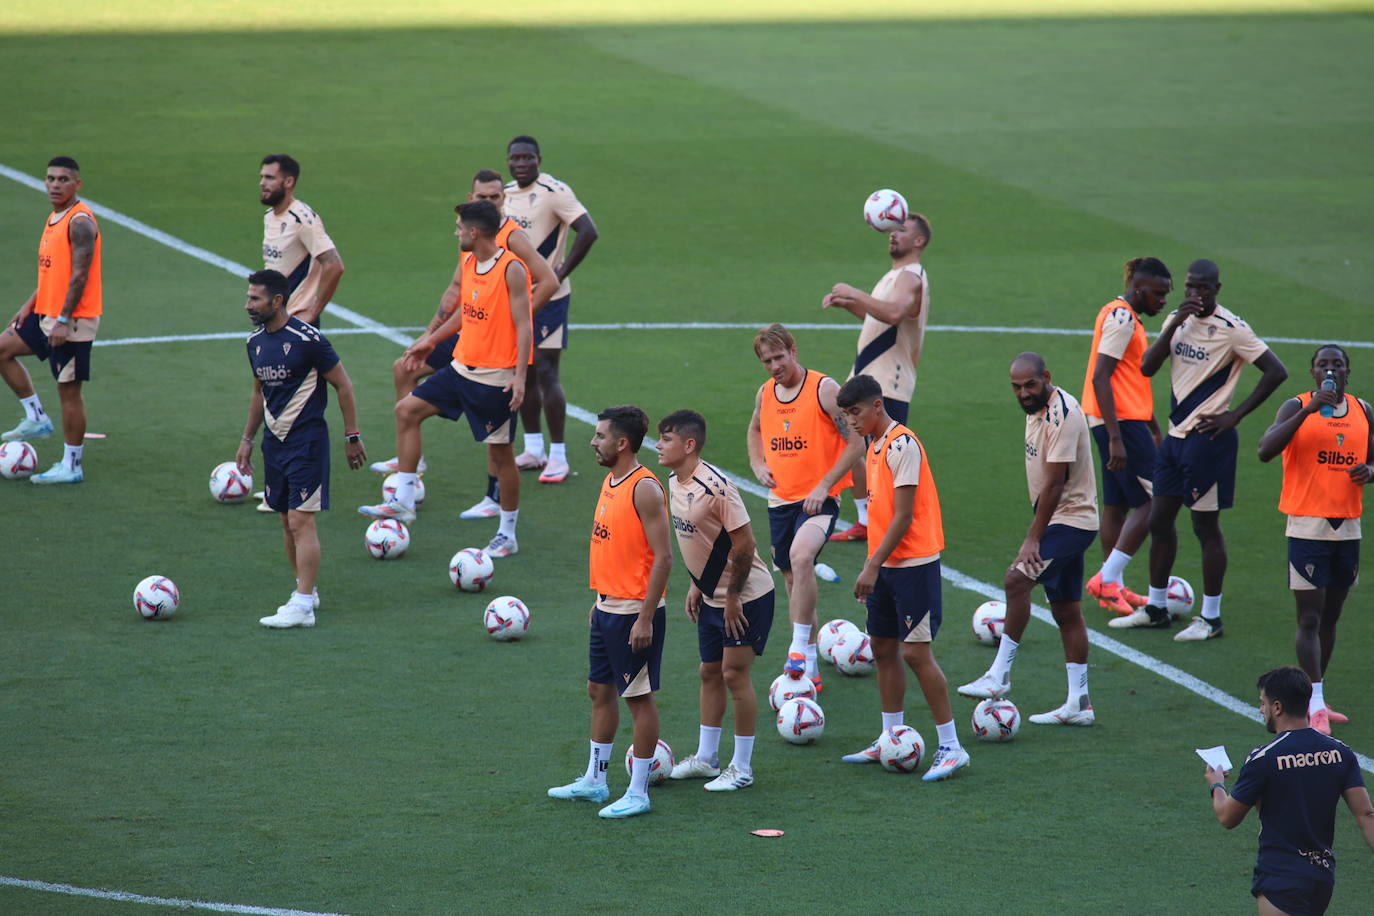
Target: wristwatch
(353, 437)
(63, 319)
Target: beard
(272, 198)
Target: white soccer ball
(471, 569)
(389, 489)
(387, 538)
(17, 460)
(507, 619)
(996, 719)
(1179, 597)
(989, 620)
(785, 687)
(853, 654)
(900, 749)
(801, 721)
(156, 598)
(830, 634)
(885, 210)
(228, 485)
(659, 769)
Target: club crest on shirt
(1340, 439)
(286, 349)
(534, 195)
(1211, 330)
(786, 425)
(257, 351)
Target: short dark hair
(922, 226)
(1344, 355)
(287, 164)
(481, 215)
(273, 281)
(485, 175)
(861, 389)
(1290, 686)
(1204, 269)
(687, 423)
(64, 162)
(629, 421)
(527, 139)
(1149, 267)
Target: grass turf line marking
(126, 897)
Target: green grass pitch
(393, 760)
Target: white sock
(302, 601)
(893, 719)
(801, 635)
(1159, 597)
(508, 523)
(1115, 566)
(947, 735)
(744, 753)
(558, 451)
(639, 775)
(861, 507)
(1211, 607)
(1318, 701)
(1078, 680)
(314, 592)
(708, 744)
(72, 456)
(33, 407)
(812, 669)
(405, 488)
(534, 443)
(1006, 654)
(598, 762)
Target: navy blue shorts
(1323, 564)
(1130, 486)
(70, 362)
(712, 639)
(295, 475)
(442, 354)
(1293, 895)
(1199, 470)
(610, 660)
(905, 603)
(487, 406)
(897, 410)
(1062, 547)
(786, 520)
(551, 325)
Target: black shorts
(442, 355)
(1132, 485)
(487, 406)
(1062, 547)
(70, 362)
(906, 603)
(1323, 564)
(551, 325)
(712, 639)
(610, 660)
(1293, 895)
(1198, 469)
(295, 475)
(786, 520)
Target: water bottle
(825, 572)
(1328, 384)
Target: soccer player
(1207, 345)
(630, 560)
(1120, 408)
(730, 599)
(801, 449)
(59, 322)
(486, 185)
(1063, 496)
(289, 359)
(1295, 781)
(900, 583)
(547, 209)
(294, 241)
(894, 328)
(486, 378)
(1325, 470)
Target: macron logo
(1313, 759)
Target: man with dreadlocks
(1324, 436)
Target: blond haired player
(547, 209)
(894, 328)
(730, 601)
(59, 321)
(801, 449)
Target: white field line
(126, 897)
(1105, 643)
